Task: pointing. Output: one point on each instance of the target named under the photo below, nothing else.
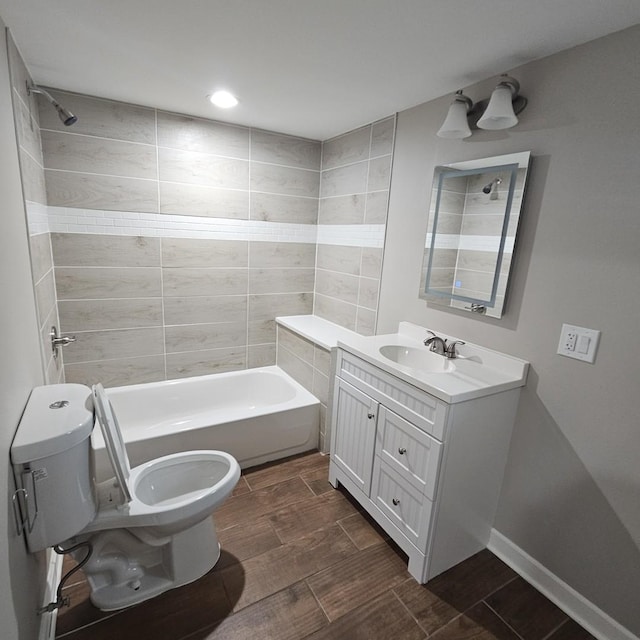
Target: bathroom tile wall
(310, 365)
(168, 300)
(25, 109)
(354, 192)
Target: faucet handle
(451, 349)
(427, 341)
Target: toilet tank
(51, 459)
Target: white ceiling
(313, 68)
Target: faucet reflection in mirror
(473, 220)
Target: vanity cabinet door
(355, 432)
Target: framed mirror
(473, 221)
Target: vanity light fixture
(456, 124)
(498, 112)
(223, 99)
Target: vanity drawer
(425, 411)
(407, 508)
(411, 452)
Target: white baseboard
(54, 573)
(575, 605)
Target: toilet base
(123, 570)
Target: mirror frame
(506, 164)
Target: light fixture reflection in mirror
(473, 220)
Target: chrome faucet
(450, 351)
(436, 344)
(439, 345)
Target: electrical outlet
(578, 342)
(570, 341)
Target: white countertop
(324, 333)
(478, 371)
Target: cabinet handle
(396, 502)
(402, 451)
(371, 415)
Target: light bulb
(223, 99)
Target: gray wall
(570, 496)
(21, 574)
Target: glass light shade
(455, 125)
(499, 113)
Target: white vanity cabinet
(429, 472)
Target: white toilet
(149, 529)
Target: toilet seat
(113, 439)
(168, 493)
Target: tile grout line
(158, 146)
(550, 635)
(315, 597)
(488, 595)
(160, 243)
(90, 624)
(486, 604)
(414, 618)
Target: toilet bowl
(149, 528)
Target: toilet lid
(112, 438)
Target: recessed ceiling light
(223, 99)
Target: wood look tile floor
(301, 561)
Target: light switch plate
(578, 342)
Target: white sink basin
(417, 358)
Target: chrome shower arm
(64, 114)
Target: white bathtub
(257, 415)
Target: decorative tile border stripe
(352, 235)
(470, 243)
(70, 220)
(44, 219)
(37, 218)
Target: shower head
(488, 187)
(64, 114)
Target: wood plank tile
(472, 580)
(169, 616)
(383, 618)
(363, 531)
(479, 623)
(318, 481)
(274, 570)
(80, 611)
(306, 516)
(246, 508)
(426, 607)
(351, 583)
(526, 610)
(571, 630)
(265, 475)
(290, 614)
(242, 542)
(286, 538)
(241, 487)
